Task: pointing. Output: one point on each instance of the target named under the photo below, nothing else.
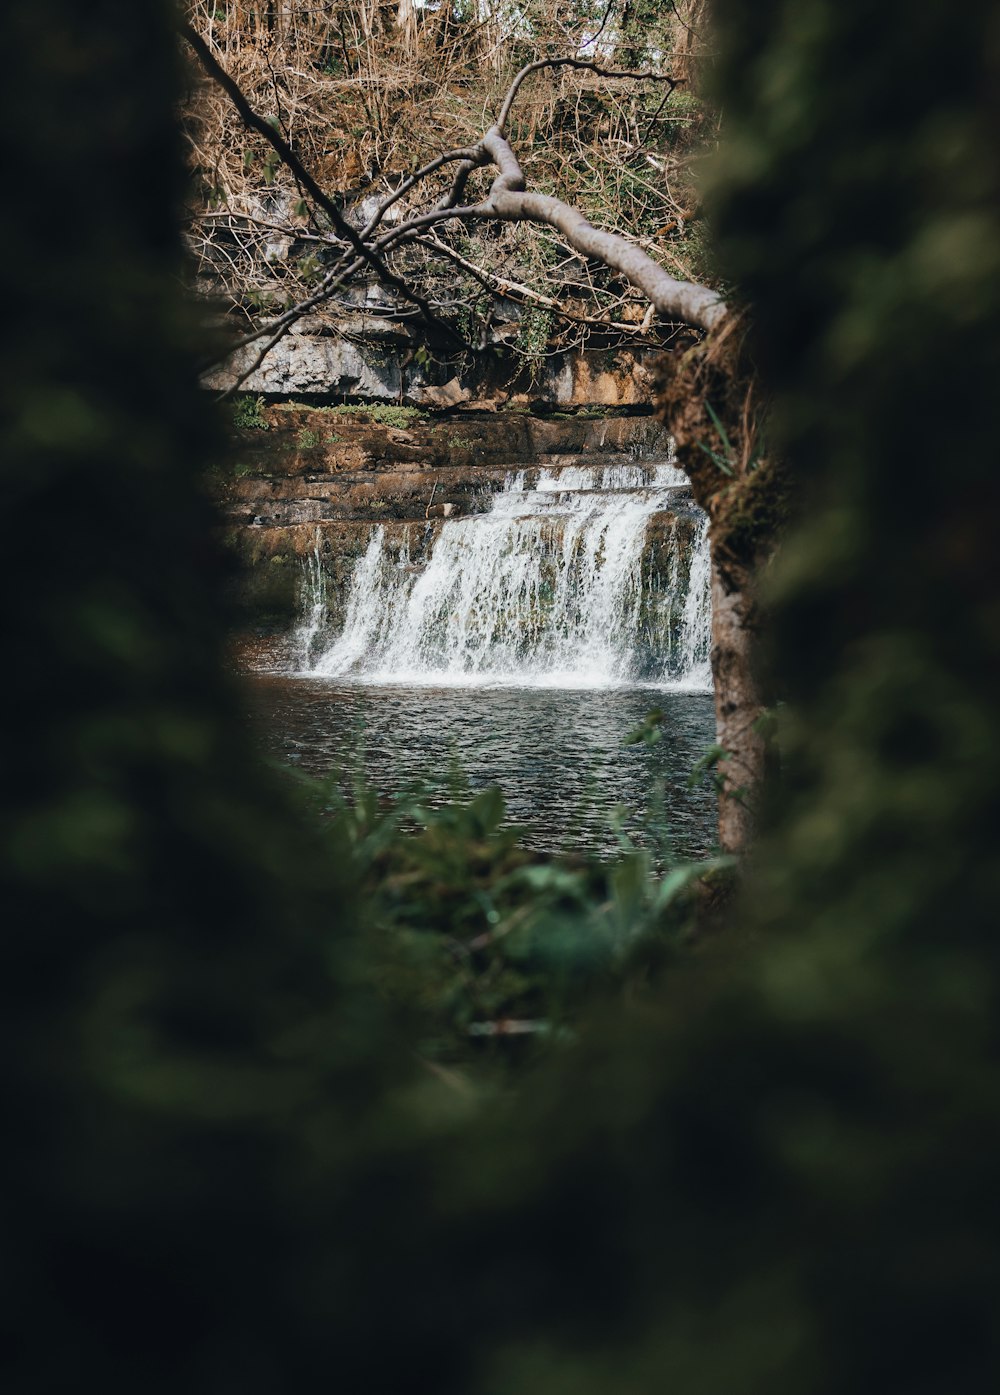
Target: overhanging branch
(676, 300)
(508, 200)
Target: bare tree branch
(472, 157)
(508, 201)
(512, 290)
(601, 27)
(567, 61)
(288, 157)
(677, 300)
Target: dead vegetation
(364, 94)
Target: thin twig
(288, 157)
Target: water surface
(558, 754)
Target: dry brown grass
(366, 92)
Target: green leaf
(487, 809)
(648, 731)
(711, 757)
(726, 467)
(681, 877)
(629, 884)
(716, 458)
(550, 877)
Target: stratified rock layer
(315, 481)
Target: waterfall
(548, 587)
(695, 646)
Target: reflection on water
(558, 755)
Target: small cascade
(551, 587)
(694, 649)
(314, 607)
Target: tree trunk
(707, 399)
(737, 711)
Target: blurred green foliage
(486, 951)
(224, 1168)
(156, 1044)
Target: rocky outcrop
(360, 363)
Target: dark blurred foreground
(775, 1172)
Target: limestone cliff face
(377, 365)
(314, 478)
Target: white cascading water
(545, 589)
(313, 607)
(690, 663)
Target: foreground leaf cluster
(489, 952)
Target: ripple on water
(558, 754)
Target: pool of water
(559, 755)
